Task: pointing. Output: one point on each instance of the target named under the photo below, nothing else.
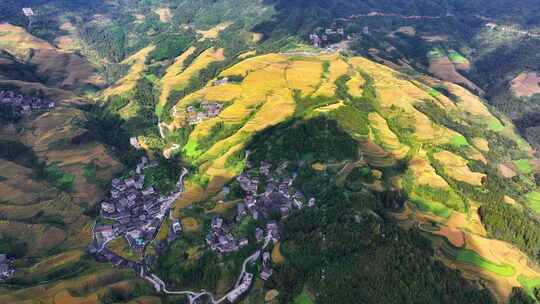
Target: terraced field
(364, 98)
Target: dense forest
(344, 248)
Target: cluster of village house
(6, 271)
(28, 12)
(336, 32)
(321, 36)
(22, 104)
(278, 196)
(136, 212)
(206, 110)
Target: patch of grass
(437, 200)
(151, 77)
(62, 181)
(351, 120)
(495, 125)
(434, 93)
(533, 201)
(456, 57)
(459, 141)
(523, 166)
(528, 284)
(303, 298)
(431, 206)
(471, 257)
(191, 149)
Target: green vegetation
(303, 298)
(529, 285)
(513, 225)
(469, 256)
(459, 141)
(434, 93)
(361, 263)
(520, 296)
(434, 207)
(20, 154)
(364, 257)
(169, 46)
(62, 181)
(436, 53)
(523, 166)
(108, 128)
(13, 247)
(300, 137)
(351, 120)
(439, 201)
(532, 200)
(495, 125)
(456, 57)
(191, 149)
(164, 176)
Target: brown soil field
(39, 238)
(271, 295)
(164, 14)
(213, 32)
(91, 285)
(507, 170)
(277, 257)
(526, 84)
(444, 69)
(454, 236)
(376, 155)
(20, 188)
(65, 70)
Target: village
(19, 104)
(269, 197)
(132, 211)
(200, 112)
(261, 202)
(6, 269)
(136, 213)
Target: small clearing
(164, 13)
(213, 32)
(526, 84)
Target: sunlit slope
(275, 87)
(432, 137)
(59, 68)
(178, 75)
(135, 72)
